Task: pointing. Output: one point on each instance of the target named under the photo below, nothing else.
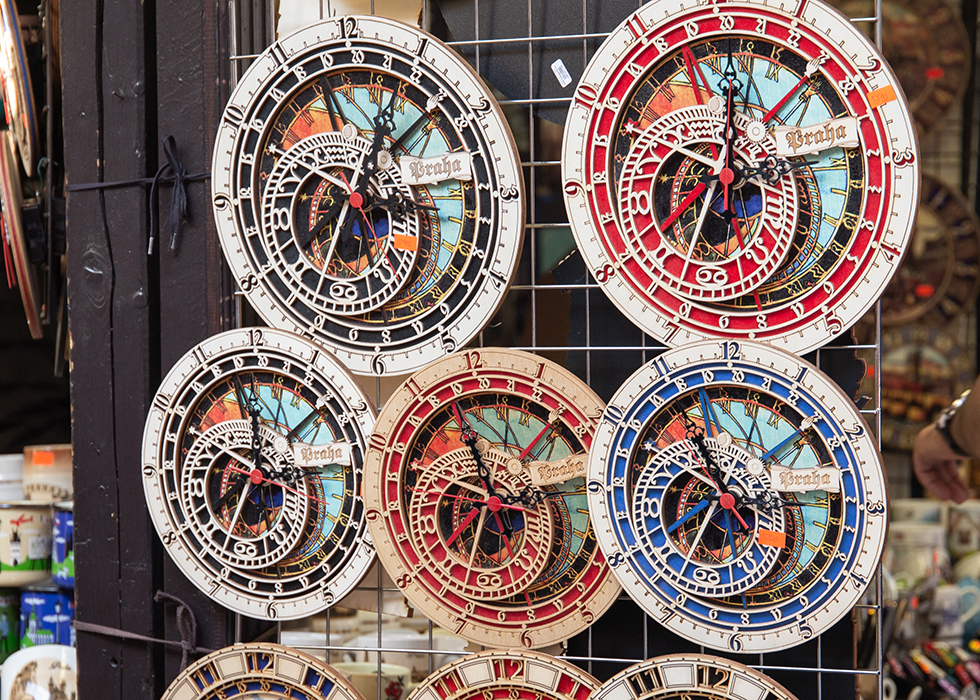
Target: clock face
(252, 458)
(738, 495)
(17, 92)
(739, 171)
(475, 496)
(922, 370)
(691, 677)
(940, 276)
(257, 671)
(21, 272)
(927, 45)
(368, 193)
(501, 675)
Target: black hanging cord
(178, 197)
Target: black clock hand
(772, 168)
(427, 114)
(313, 233)
(725, 497)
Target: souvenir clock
(740, 170)
(474, 492)
(738, 495)
(259, 671)
(940, 276)
(498, 675)
(18, 94)
(922, 370)
(368, 193)
(689, 676)
(252, 465)
(16, 258)
(926, 44)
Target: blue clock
(738, 495)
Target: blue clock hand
(688, 515)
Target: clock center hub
(356, 200)
(727, 501)
(256, 476)
(494, 504)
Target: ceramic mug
(915, 551)
(31, 672)
(395, 680)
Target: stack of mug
(37, 570)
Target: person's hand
(935, 466)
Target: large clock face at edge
(345, 146)
(670, 237)
(252, 465)
(712, 491)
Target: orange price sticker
(406, 242)
(878, 97)
(43, 457)
(772, 538)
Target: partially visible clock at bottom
(690, 677)
(258, 671)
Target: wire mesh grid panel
(532, 53)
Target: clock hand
(807, 423)
(238, 509)
(698, 537)
(772, 168)
(727, 175)
(688, 515)
(484, 501)
(469, 439)
(811, 68)
(698, 227)
(463, 525)
(329, 217)
(694, 74)
(232, 490)
(430, 105)
(533, 442)
(685, 203)
(257, 477)
(726, 499)
(307, 419)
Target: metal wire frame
(248, 39)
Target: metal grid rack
(548, 278)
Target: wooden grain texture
(105, 136)
(191, 291)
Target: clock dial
(18, 265)
(738, 495)
(922, 370)
(740, 171)
(691, 677)
(252, 458)
(259, 671)
(368, 193)
(475, 496)
(17, 92)
(927, 45)
(501, 675)
(940, 276)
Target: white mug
(948, 613)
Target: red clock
(475, 497)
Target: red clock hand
(811, 68)
(685, 203)
(257, 477)
(531, 444)
(484, 501)
(463, 525)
